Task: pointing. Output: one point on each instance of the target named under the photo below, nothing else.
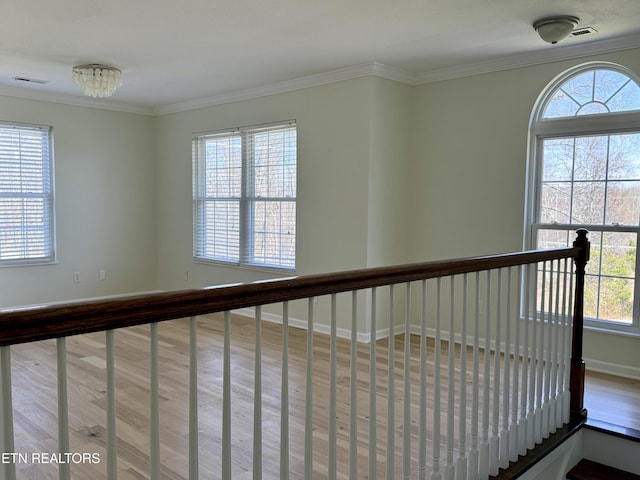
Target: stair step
(588, 470)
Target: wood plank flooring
(34, 398)
(613, 399)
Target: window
(585, 173)
(244, 196)
(26, 195)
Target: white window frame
(246, 198)
(26, 175)
(578, 126)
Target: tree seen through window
(588, 176)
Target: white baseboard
(302, 324)
(594, 365)
(612, 368)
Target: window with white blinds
(26, 194)
(244, 196)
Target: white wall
(105, 213)
(470, 146)
(389, 222)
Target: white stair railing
(487, 378)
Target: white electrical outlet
(76, 277)
(103, 274)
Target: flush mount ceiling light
(555, 29)
(97, 80)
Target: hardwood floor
(613, 399)
(34, 398)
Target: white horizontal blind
(26, 194)
(244, 184)
(270, 153)
(217, 188)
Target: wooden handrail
(27, 324)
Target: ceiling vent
(30, 80)
(579, 32)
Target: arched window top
(592, 90)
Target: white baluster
(333, 459)
(449, 468)
(560, 332)
(284, 396)
(422, 433)
(226, 400)
(391, 389)
(525, 430)
(555, 326)
(9, 469)
(563, 376)
(540, 360)
(257, 399)
(561, 346)
(308, 414)
(461, 466)
(566, 407)
(4, 379)
(494, 446)
(514, 434)
(193, 400)
(353, 416)
(506, 385)
(474, 453)
(154, 409)
(546, 407)
(436, 473)
(564, 348)
(373, 440)
(112, 454)
(531, 416)
(406, 429)
(486, 381)
(64, 471)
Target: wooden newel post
(578, 412)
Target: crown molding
(552, 54)
(73, 100)
(315, 80)
(393, 73)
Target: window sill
(255, 268)
(37, 263)
(630, 332)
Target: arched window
(584, 172)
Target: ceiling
(174, 53)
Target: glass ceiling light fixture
(97, 80)
(555, 29)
